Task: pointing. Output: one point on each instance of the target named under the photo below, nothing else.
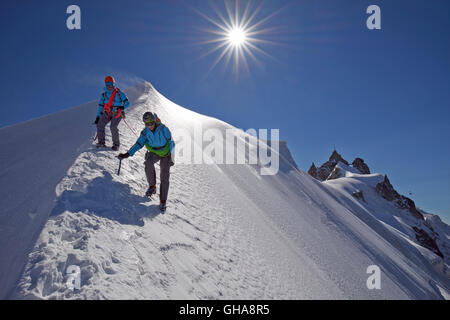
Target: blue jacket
(156, 139)
(119, 100)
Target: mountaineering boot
(101, 145)
(151, 191)
(162, 206)
(115, 148)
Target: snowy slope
(35, 157)
(398, 221)
(229, 232)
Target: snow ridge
(228, 233)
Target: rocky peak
(329, 171)
(313, 171)
(359, 164)
(425, 236)
(336, 157)
(323, 172)
(387, 191)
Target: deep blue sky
(381, 95)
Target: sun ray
(245, 14)
(210, 20)
(271, 30)
(227, 52)
(236, 13)
(220, 45)
(255, 40)
(230, 14)
(220, 15)
(224, 52)
(244, 59)
(228, 58)
(262, 21)
(262, 51)
(252, 56)
(252, 17)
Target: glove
(123, 114)
(96, 120)
(123, 156)
(171, 163)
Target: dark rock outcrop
(359, 164)
(313, 171)
(359, 195)
(427, 241)
(324, 171)
(387, 191)
(336, 173)
(336, 157)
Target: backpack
(107, 106)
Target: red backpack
(107, 106)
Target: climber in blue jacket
(156, 137)
(111, 107)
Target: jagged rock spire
(359, 164)
(336, 157)
(323, 172)
(313, 171)
(387, 191)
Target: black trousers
(164, 164)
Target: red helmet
(109, 79)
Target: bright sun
(237, 37)
(238, 34)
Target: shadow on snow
(107, 198)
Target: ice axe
(120, 164)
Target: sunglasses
(150, 122)
(109, 84)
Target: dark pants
(104, 119)
(164, 164)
